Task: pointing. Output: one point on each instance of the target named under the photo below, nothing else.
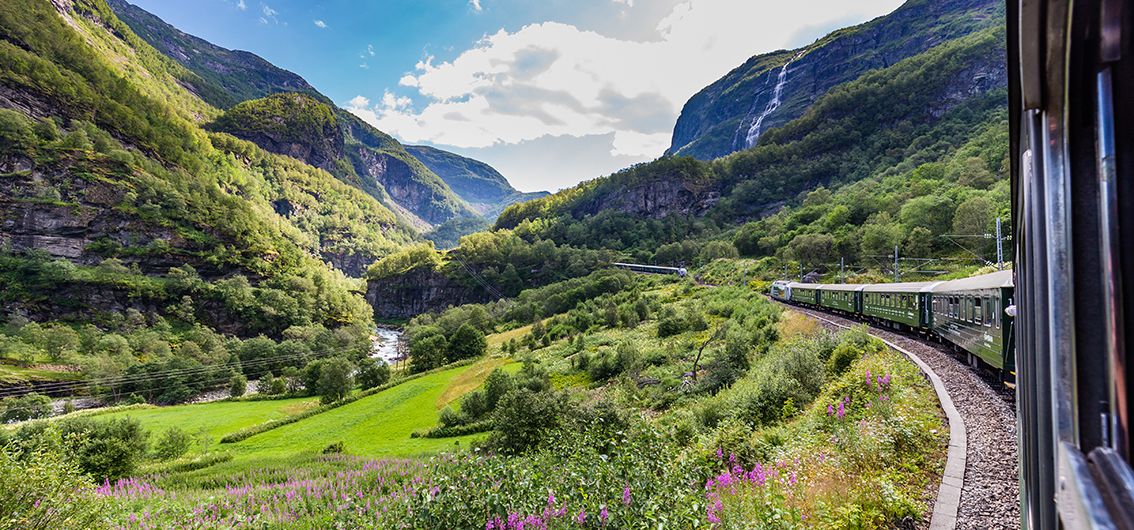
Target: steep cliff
(770, 90)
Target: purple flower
(582, 517)
(626, 495)
(830, 410)
(603, 515)
(869, 380)
(841, 411)
(720, 454)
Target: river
(386, 342)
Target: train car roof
(844, 286)
(903, 287)
(797, 285)
(994, 280)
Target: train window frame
(978, 311)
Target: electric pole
(842, 271)
(897, 274)
(999, 247)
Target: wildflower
(626, 495)
(603, 515)
(841, 412)
(830, 410)
(582, 517)
(869, 380)
(720, 454)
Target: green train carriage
(844, 297)
(804, 293)
(970, 314)
(903, 304)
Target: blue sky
(550, 92)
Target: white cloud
(557, 80)
(320, 24)
(241, 5)
(475, 5)
(370, 49)
(627, 3)
(268, 15)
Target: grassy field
(12, 373)
(215, 419)
(378, 425)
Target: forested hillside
(142, 241)
(252, 89)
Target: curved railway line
(986, 470)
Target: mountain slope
(303, 127)
(223, 77)
(114, 199)
(479, 184)
(731, 114)
(890, 119)
(346, 147)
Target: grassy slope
(215, 419)
(379, 425)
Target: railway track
(989, 497)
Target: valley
(229, 301)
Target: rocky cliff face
(655, 199)
(719, 119)
(419, 291)
(55, 210)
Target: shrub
(373, 373)
(27, 407)
(335, 448)
(173, 443)
(852, 346)
(465, 343)
(45, 490)
(238, 385)
(523, 419)
(335, 379)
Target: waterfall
(755, 129)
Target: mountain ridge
(714, 122)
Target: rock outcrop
(419, 291)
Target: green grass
(378, 425)
(215, 419)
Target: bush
(335, 379)
(45, 490)
(238, 385)
(335, 448)
(105, 450)
(373, 373)
(523, 419)
(465, 343)
(852, 346)
(173, 443)
(27, 407)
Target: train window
(978, 317)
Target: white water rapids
(385, 344)
(755, 129)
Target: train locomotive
(972, 314)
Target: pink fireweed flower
(626, 495)
(830, 410)
(582, 517)
(720, 454)
(603, 515)
(841, 411)
(869, 380)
